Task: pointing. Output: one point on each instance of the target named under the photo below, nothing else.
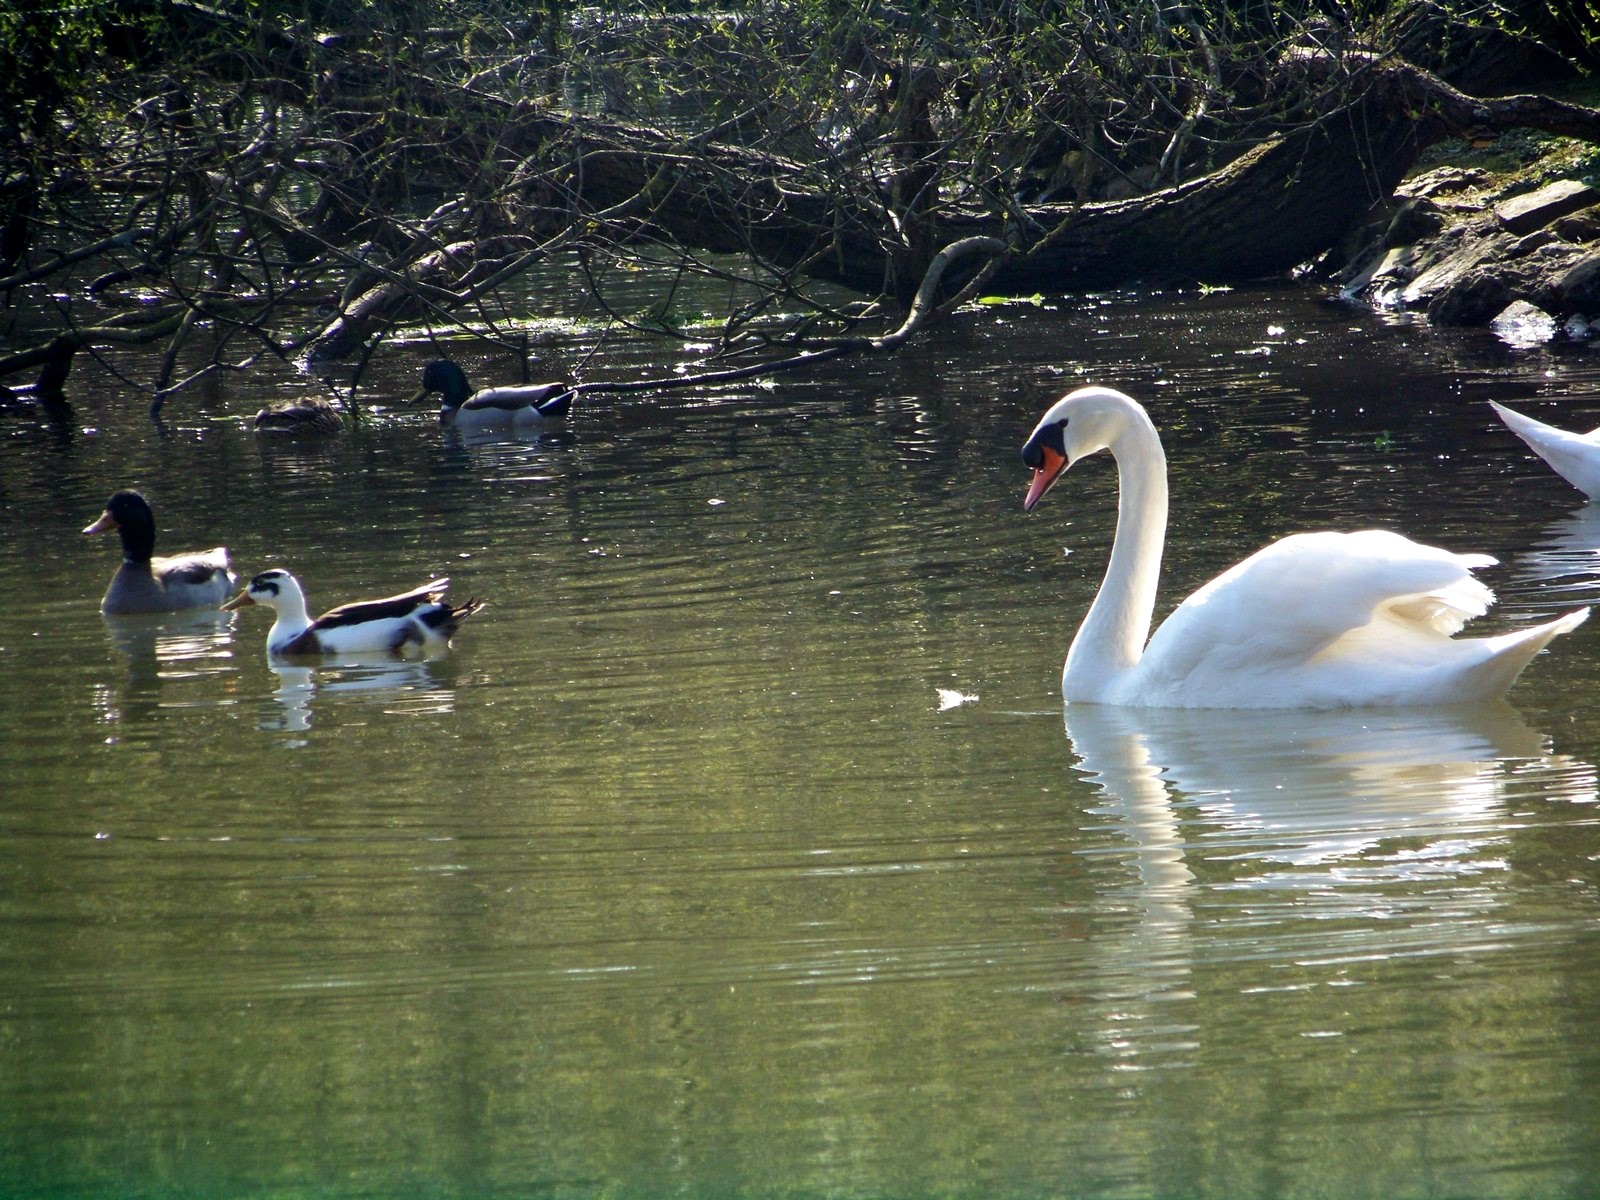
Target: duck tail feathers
(557, 406)
(444, 620)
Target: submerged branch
(925, 310)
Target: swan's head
(271, 588)
(1081, 423)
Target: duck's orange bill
(243, 600)
(1046, 474)
(106, 521)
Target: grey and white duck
(149, 583)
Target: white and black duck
(421, 618)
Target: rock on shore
(1528, 265)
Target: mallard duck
(1573, 456)
(420, 617)
(147, 584)
(504, 407)
(299, 416)
(1314, 620)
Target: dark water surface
(739, 846)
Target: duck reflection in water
(409, 686)
(508, 438)
(165, 652)
(1273, 821)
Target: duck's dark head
(445, 377)
(129, 514)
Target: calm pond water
(739, 846)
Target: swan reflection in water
(1311, 787)
(1275, 820)
(166, 653)
(1564, 559)
(397, 685)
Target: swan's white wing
(1295, 598)
(1573, 456)
(1328, 620)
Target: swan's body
(1574, 456)
(1315, 620)
(147, 583)
(309, 415)
(519, 407)
(421, 617)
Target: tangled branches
(228, 190)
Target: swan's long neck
(1113, 634)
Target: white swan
(1315, 620)
(1574, 456)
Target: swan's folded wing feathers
(1573, 456)
(1575, 465)
(1445, 611)
(1295, 597)
(1538, 434)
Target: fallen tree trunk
(1284, 202)
(1267, 212)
